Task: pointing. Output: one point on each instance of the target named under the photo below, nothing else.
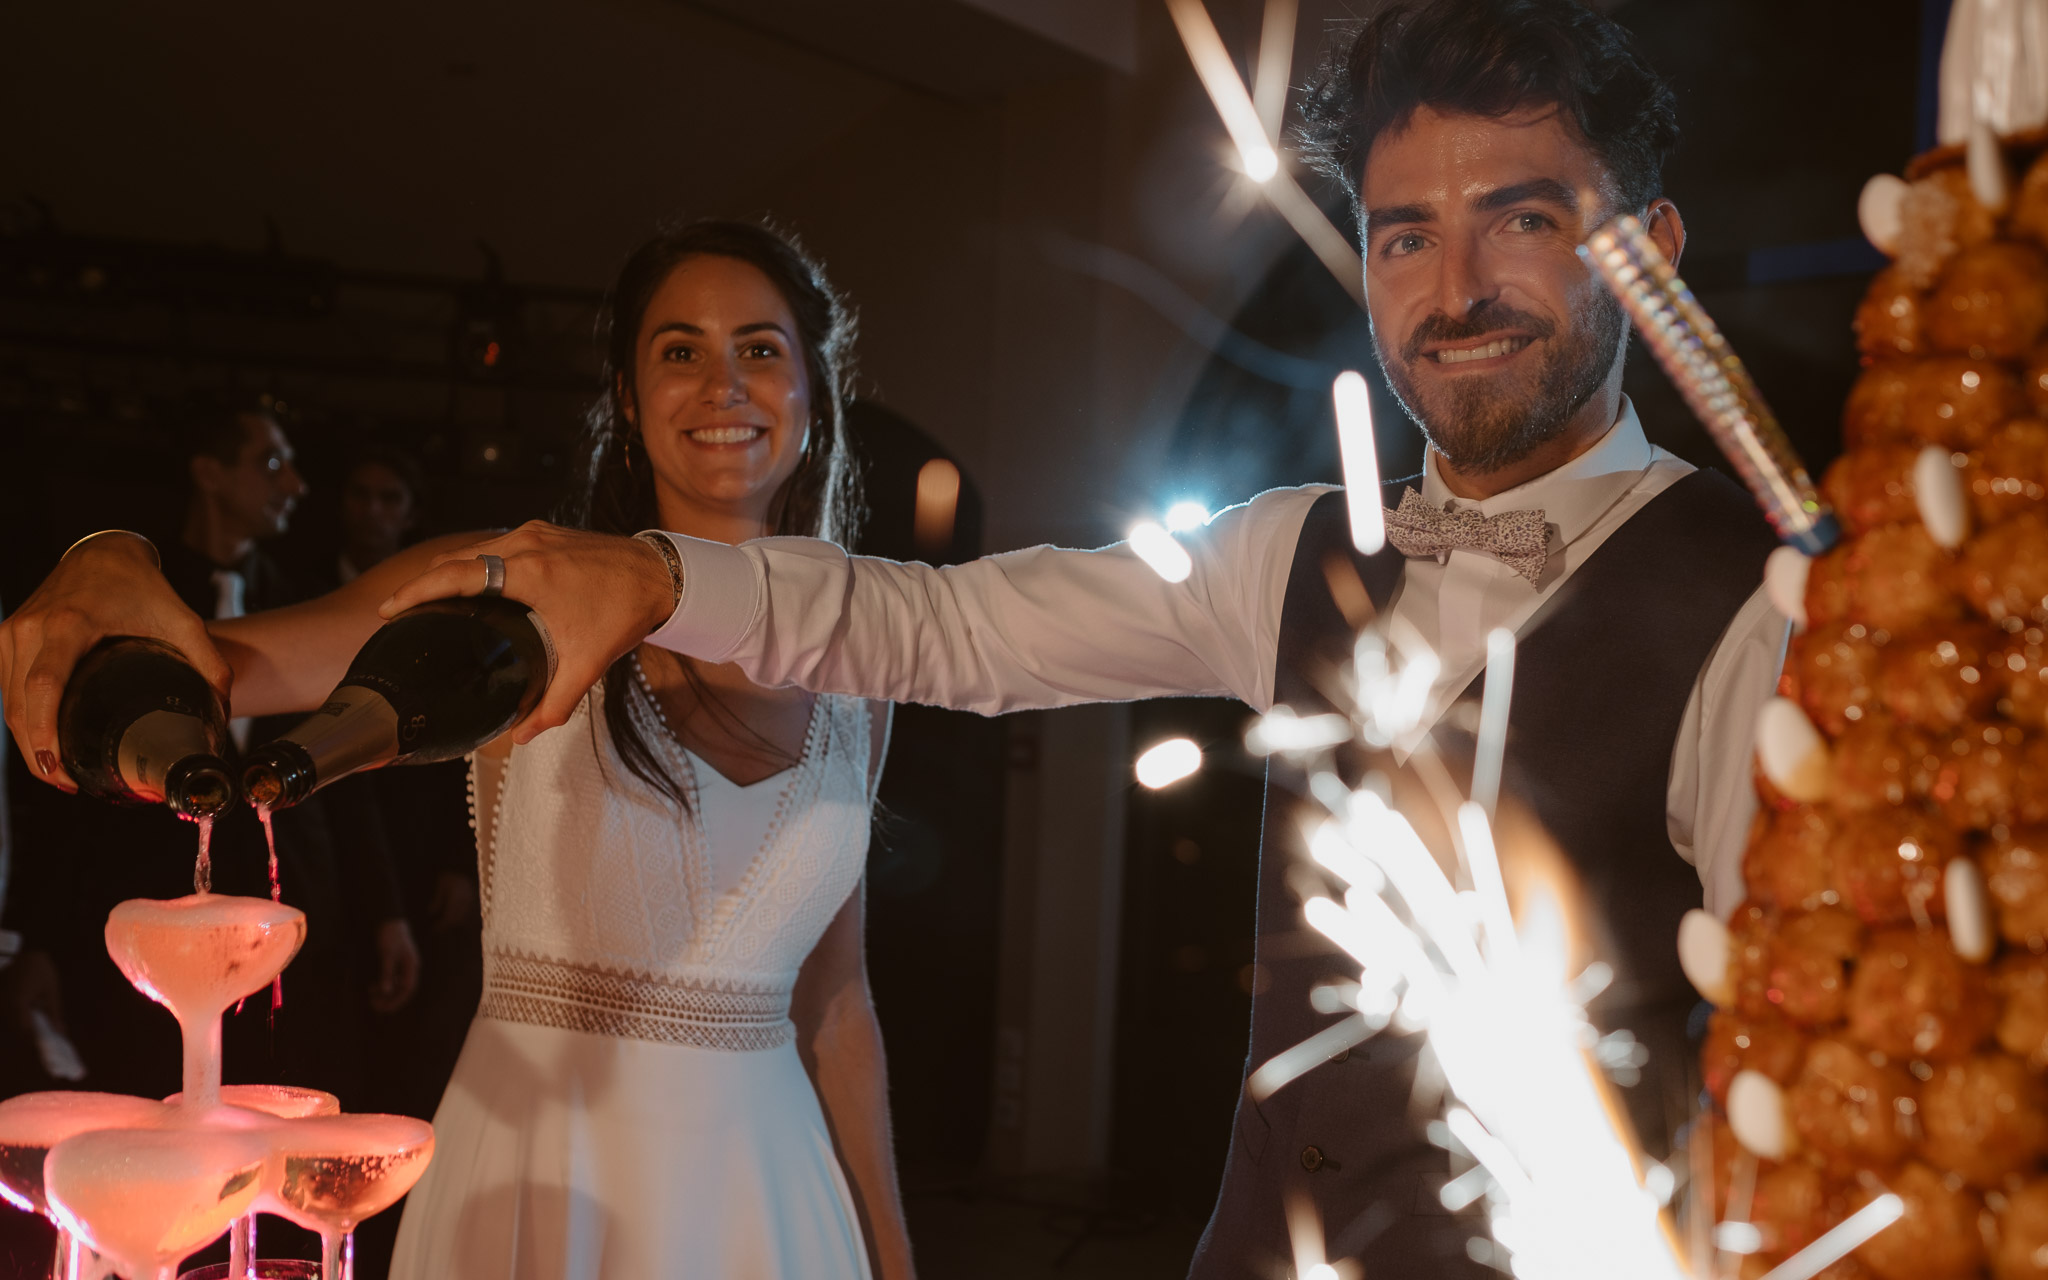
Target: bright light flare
(1361, 462)
(1156, 547)
(1169, 762)
(938, 503)
(1281, 730)
(1219, 77)
(1184, 516)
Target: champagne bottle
(434, 683)
(137, 725)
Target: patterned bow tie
(1518, 539)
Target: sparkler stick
(1708, 374)
(1261, 163)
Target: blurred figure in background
(85, 856)
(380, 510)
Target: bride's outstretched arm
(841, 1045)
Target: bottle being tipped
(137, 725)
(434, 683)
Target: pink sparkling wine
(339, 1170)
(284, 1101)
(145, 1198)
(198, 955)
(32, 1123)
(202, 870)
(276, 895)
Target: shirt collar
(1574, 495)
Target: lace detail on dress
(638, 1006)
(598, 915)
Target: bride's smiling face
(720, 394)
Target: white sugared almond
(1756, 1112)
(1878, 209)
(1793, 754)
(1785, 583)
(1985, 161)
(1938, 488)
(1969, 911)
(1703, 954)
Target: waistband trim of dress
(552, 993)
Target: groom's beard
(1482, 424)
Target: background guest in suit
(88, 855)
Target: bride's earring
(626, 445)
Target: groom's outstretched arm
(1041, 627)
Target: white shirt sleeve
(1711, 797)
(1042, 627)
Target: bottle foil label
(148, 749)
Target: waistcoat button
(1311, 1158)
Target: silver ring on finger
(494, 575)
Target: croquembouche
(1882, 1019)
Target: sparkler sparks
(1837, 1243)
(1361, 462)
(1182, 517)
(1219, 77)
(1169, 762)
(1261, 162)
(1506, 1019)
(1156, 547)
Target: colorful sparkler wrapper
(1689, 345)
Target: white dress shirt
(1046, 627)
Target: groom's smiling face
(1490, 329)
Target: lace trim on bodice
(599, 914)
(710, 1015)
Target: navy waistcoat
(1602, 677)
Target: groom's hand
(600, 595)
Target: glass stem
(242, 1248)
(64, 1265)
(348, 1256)
(202, 1064)
(330, 1255)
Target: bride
(676, 1069)
(673, 946)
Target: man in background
(332, 862)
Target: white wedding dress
(630, 1104)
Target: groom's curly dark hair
(1488, 58)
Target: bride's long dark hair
(612, 494)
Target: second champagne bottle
(434, 683)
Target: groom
(1483, 140)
